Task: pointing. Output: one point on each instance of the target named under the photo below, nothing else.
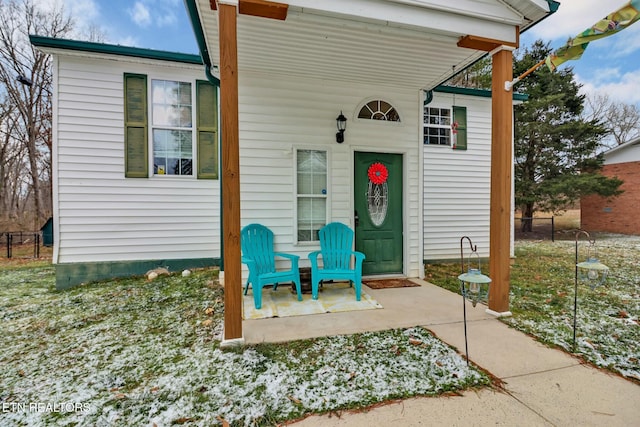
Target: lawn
(138, 352)
(542, 299)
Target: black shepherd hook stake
(463, 291)
(474, 248)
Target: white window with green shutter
(180, 134)
(446, 127)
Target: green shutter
(207, 129)
(136, 147)
(460, 116)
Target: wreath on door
(378, 173)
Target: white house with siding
(109, 225)
(122, 206)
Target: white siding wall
(279, 114)
(103, 216)
(457, 184)
(627, 154)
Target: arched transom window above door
(379, 110)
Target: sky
(609, 66)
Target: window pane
(171, 103)
(312, 172)
(185, 117)
(379, 110)
(311, 217)
(312, 185)
(393, 115)
(172, 152)
(186, 166)
(437, 126)
(185, 93)
(446, 121)
(173, 166)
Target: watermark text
(60, 407)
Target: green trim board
(484, 93)
(111, 49)
(74, 274)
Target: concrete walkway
(542, 386)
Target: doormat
(390, 283)
(332, 298)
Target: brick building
(618, 214)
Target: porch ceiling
(327, 45)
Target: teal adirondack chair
(258, 255)
(336, 240)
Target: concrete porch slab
(402, 307)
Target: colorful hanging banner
(611, 24)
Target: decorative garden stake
(471, 285)
(591, 271)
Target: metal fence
(541, 229)
(9, 240)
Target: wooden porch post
(501, 179)
(227, 12)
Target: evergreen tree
(555, 146)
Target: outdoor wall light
(341, 123)
(474, 285)
(591, 271)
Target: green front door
(378, 211)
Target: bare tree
(25, 74)
(622, 120)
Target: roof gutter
(198, 31)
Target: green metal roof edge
(475, 92)
(111, 49)
(553, 5)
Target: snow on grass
(607, 325)
(133, 352)
(542, 299)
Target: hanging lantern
(474, 285)
(592, 272)
(471, 285)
